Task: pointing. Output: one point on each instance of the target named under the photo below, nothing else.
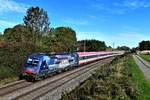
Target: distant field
(146, 57)
(122, 79)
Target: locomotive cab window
(32, 63)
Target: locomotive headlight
(24, 73)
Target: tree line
(144, 45)
(91, 45)
(35, 35)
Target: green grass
(140, 80)
(7, 75)
(8, 80)
(146, 57)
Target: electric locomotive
(39, 66)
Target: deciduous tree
(37, 19)
(144, 45)
(123, 48)
(19, 33)
(61, 39)
(91, 45)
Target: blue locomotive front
(38, 66)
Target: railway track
(14, 86)
(23, 90)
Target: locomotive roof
(37, 56)
(81, 54)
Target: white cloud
(130, 28)
(99, 6)
(121, 7)
(107, 9)
(4, 23)
(75, 22)
(133, 4)
(88, 35)
(132, 36)
(10, 5)
(98, 18)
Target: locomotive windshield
(32, 62)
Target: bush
(112, 81)
(12, 58)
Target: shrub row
(112, 81)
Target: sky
(122, 22)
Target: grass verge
(146, 57)
(8, 80)
(139, 79)
(7, 75)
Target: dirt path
(143, 65)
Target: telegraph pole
(84, 45)
(113, 45)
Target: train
(39, 66)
